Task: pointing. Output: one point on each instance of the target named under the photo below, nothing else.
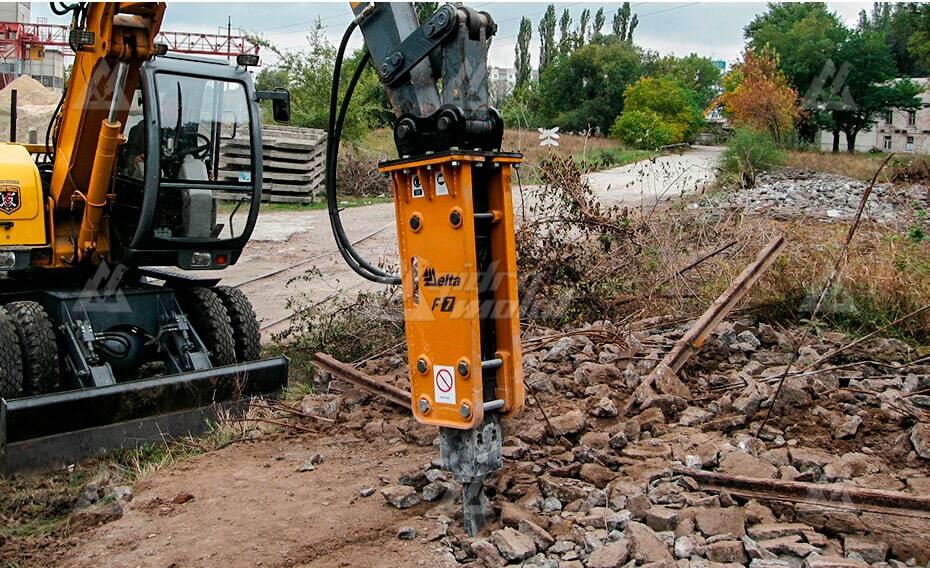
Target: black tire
(38, 346)
(244, 323)
(206, 313)
(11, 359)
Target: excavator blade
(55, 430)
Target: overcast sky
(711, 29)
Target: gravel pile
(792, 193)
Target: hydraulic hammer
(455, 229)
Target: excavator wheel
(38, 346)
(11, 359)
(244, 323)
(206, 313)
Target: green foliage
(869, 83)
(520, 109)
(425, 10)
(804, 35)
(566, 40)
(599, 20)
(623, 24)
(585, 88)
(906, 28)
(748, 153)
(698, 74)
(643, 129)
(583, 22)
(657, 111)
(547, 51)
(522, 61)
(308, 75)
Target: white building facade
(900, 131)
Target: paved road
(287, 243)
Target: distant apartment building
(502, 80)
(899, 130)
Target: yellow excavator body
(22, 209)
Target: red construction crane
(22, 41)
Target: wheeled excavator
(108, 337)
(455, 228)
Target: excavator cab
(188, 177)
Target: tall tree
(522, 62)
(633, 23)
(803, 35)
(697, 74)
(585, 88)
(583, 22)
(599, 20)
(870, 84)
(757, 94)
(919, 43)
(565, 32)
(546, 39)
(900, 23)
(621, 20)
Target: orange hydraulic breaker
(455, 232)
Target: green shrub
(643, 129)
(748, 153)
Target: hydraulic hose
(355, 261)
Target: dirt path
(251, 507)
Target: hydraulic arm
(452, 195)
(111, 42)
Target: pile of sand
(34, 108)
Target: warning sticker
(441, 187)
(444, 384)
(416, 188)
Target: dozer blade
(54, 430)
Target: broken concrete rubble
(602, 487)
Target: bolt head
(455, 218)
(421, 365)
(424, 405)
(465, 410)
(415, 222)
(463, 368)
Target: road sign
(549, 136)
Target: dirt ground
(251, 507)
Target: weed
(748, 153)
(349, 327)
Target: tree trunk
(851, 141)
(836, 141)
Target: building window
(909, 147)
(911, 117)
(886, 143)
(889, 118)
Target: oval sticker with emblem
(10, 198)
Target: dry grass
(579, 275)
(860, 166)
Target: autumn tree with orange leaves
(757, 95)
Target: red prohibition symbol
(444, 380)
